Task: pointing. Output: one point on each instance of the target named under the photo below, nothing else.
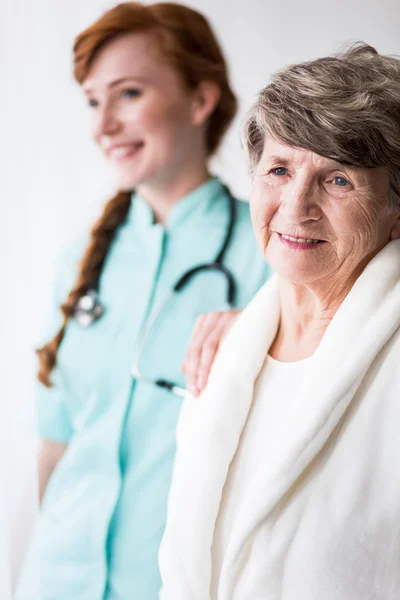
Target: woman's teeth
(123, 151)
(299, 240)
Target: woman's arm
(208, 332)
(49, 455)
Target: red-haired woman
(177, 246)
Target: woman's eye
(340, 181)
(279, 171)
(131, 93)
(93, 103)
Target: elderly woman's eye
(340, 181)
(279, 171)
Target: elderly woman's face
(315, 218)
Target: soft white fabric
(275, 396)
(321, 521)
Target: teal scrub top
(104, 510)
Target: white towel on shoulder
(321, 521)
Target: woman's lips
(120, 153)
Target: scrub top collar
(196, 204)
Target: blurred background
(53, 180)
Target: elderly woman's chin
(299, 264)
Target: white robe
(321, 521)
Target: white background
(53, 180)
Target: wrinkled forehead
(275, 150)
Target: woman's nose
(106, 122)
(300, 202)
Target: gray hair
(345, 107)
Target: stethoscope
(89, 308)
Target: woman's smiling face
(316, 219)
(143, 117)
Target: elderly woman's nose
(299, 202)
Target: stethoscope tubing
(89, 308)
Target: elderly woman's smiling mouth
(300, 243)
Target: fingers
(209, 350)
(207, 334)
(203, 325)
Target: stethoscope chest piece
(88, 309)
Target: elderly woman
(286, 483)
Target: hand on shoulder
(208, 332)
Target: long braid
(102, 235)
